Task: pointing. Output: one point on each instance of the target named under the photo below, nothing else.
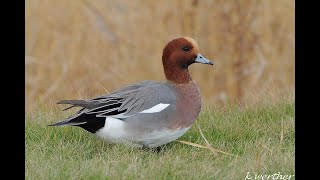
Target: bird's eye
(186, 49)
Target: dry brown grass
(73, 48)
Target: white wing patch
(156, 108)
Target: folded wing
(143, 97)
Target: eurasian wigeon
(146, 114)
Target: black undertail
(92, 115)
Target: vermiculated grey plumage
(126, 103)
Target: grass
(261, 135)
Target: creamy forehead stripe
(156, 108)
(193, 42)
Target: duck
(147, 114)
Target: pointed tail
(76, 119)
(73, 103)
(67, 123)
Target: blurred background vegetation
(80, 49)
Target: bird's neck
(177, 75)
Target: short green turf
(262, 136)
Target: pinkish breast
(188, 105)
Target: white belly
(158, 138)
(114, 131)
